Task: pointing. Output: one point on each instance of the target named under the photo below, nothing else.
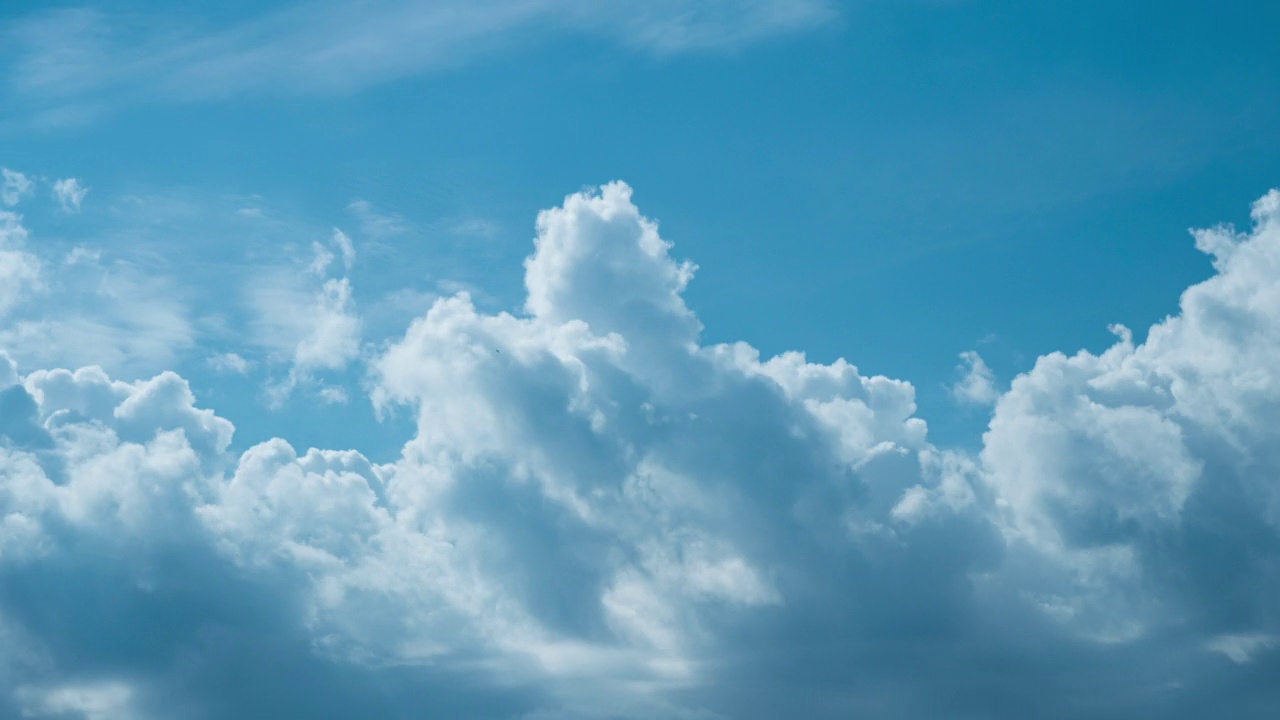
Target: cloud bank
(599, 515)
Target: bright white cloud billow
(1120, 454)
(599, 515)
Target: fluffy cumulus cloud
(1153, 466)
(600, 515)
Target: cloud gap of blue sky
(676, 359)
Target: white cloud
(229, 363)
(83, 255)
(473, 228)
(333, 331)
(14, 186)
(375, 223)
(345, 249)
(69, 192)
(1241, 649)
(310, 329)
(324, 257)
(309, 323)
(109, 700)
(66, 58)
(977, 387)
(599, 246)
(686, 464)
(599, 515)
(1104, 460)
(333, 395)
(8, 370)
(118, 314)
(19, 269)
(132, 411)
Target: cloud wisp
(20, 270)
(599, 515)
(307, 320)
(14, 186)
(978, 384)
(69, 192)
(69, 62)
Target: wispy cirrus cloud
(67, 65)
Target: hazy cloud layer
(601, 516)
(111, 312)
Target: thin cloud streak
(72, 64)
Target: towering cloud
(599, 515)
(1152, 466)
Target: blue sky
(681, 358)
